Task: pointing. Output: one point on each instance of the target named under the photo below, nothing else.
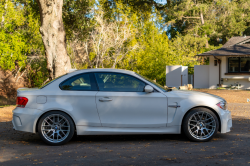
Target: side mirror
(148, 89)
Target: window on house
(238, 65)
(233, 64)
(245, 64)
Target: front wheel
(200, 125)
(56, 128)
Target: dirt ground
(6, 113)
(231, 96)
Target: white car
(114, 102)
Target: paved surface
(19, 148)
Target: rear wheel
(56, 128)
(200, 125)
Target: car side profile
(116, 102)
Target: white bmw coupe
(114, 102)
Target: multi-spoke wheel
(200, 124)
(56, 128)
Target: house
(229, 65)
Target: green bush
(37, 72)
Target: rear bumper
(226, 121)
(24, 119)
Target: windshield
(156, 84)
(41, 87)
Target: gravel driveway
(19, 148)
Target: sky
(161, 1)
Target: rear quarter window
(81, 82)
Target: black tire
(203, 129)
(55, 128)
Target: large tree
(213, 19)
(54, 37)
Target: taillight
(21, 101)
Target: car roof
(102, 70)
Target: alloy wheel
(55, 128)
(201, 125)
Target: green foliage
(19, 34)
(220, 88)
(150, 59)
(37, 72)
(77, 18)
(31, 29)
(222, 18)
(20, 39)
(12, 42)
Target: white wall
(173, 76)
(184, 75)
(201, 76)
(223, 66)
(213, 73)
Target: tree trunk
(54, 38)
(202, 22)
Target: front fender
(186, 105)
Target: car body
(112, 101)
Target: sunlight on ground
(231, 96)
(6, 113)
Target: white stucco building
(229, 65)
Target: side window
(118, 82)
(83, 82)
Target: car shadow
(9, 134)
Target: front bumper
(226, 121)
(24, 119)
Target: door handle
(105, 99)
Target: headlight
(222, 105)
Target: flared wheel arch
(51, 111)
(216, 113)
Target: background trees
(12, 39)
(219, 19)
(140, 35)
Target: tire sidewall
(71, 123)
(185, 124)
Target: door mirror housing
(148, 89)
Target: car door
(121, 102)
(79, 92)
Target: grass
(1, 106)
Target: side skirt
(86, 130)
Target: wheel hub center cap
(200, 125)
(56, 127)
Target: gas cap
(41, 99)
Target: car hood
(187, 94)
